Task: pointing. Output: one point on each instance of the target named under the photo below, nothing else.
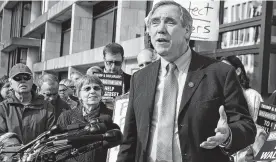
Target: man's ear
(238, 71)
(188, 32)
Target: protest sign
(113, 85)
(266, 116)
(119, 114)
(205, 16)
(267, 119)
(268, 151)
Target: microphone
(102, 119)
(113, 135)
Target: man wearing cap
(25, 113)
(185, 107)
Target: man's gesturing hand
(222, 132)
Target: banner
(205, 16)
(113, 85)
(267, 119)
(119, 114)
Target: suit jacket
(126, 80)
(209, 85)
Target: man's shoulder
(211, 64)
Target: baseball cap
(19, 69)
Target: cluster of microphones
(59, 144)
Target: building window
(26, 15)
(65, 38)
(21, 14)
(16, 20)
(104, 23)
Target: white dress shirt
(182, 64)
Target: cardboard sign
(267, 119)
(266, 116)
(113, 85)
(119, 114)
(205, 16)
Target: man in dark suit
(183, 107)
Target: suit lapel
(194, 77)
(150, 78)
(151, 86)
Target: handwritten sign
(113, 85)
(205, 16)
(119, 114)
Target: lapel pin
(191, 84)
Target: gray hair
(76, 72)
(47, 78)
(185, 17)
(67, 82)
(94, 69)
(88, 79)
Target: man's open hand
(222, 132)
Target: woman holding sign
(253, 99)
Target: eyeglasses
(88, 88)
(116, 63)
(72, 87)
(25, 77)
(62, 90)
(50, 94)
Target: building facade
(63, 36)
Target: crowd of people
(182, 106)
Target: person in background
(90, 90)
(184, 106)
(68, 87)
(48, 87)
(253, 99)
(5, 89)
(74, 76)
(94, 69)
(113, 55)
(145, 57)
(25, 113)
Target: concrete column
(132, 25)
(32, 57)
(52, 41)
(35, 10)
(81, 28)
(5, 60)
(5, 36)
(6, 25)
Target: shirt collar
(181, 62)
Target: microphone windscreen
(102, 119)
